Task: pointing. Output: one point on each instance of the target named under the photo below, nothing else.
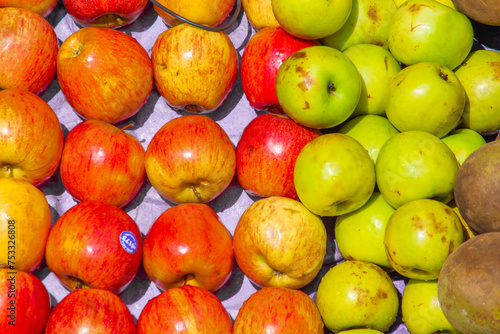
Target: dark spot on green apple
(386, 61)
(451, 247)
(306, 106)
(443, 239)
(298, 55)
(331, 88)
(419, 271)
(300, 70)
(373, 13)
(381, 294)
(443, 76)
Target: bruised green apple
(334, 175)
(368, 23)
(420, 235)
(463, 142)
(413, 165)
(377, 68)
(426, 96)
(360, 234)
(318, 86)
(428, 31)
(479, 77)
(357, 294)
(311, 19)
(371, 131)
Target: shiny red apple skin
(105, 13)
(184, 310)
(91, 311)
(104, 74)
(31, 137)
(278, 310)
(261, 59)
(28, 50)
(84, 247)
(24, 303)
(101, 162)
(42, 7)
(266, 155)
(188, 244)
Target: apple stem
(197, 194)
(127, 126)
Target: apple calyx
(109, 21)
(331, 88)
(8, 170)
(443, 76)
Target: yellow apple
(259, 13)
(42, 7)
(448, 3)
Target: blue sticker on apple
(128, 242)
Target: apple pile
(364, 128)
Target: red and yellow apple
(41, 7)
(31, 137)
(101, 162)
(94, 245)
(28, 50)
(190, 159)
(104, 74)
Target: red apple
(28, 50)
(24, 303)
(31, 138)
(188, 245)
(104, 74)
(42, 7)
(94, 244)
(185, 309)
(91, 311)
(262, 57)
(278, 310)
(105, 13)
(266, 154)
(101, 162)
(190, 159)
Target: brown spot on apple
(386, 61)
(298, 55)
(373, 13)
(250, 149)
(306, 106)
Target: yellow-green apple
(357, 294)
(482, 88)
(104, 74)
(259, 13)
(94, 245)
(278, 242)
(206, 12)
(101, 162)
(420, 32)
(41, 7)
(425, 96)
(177, 310)
(414, 165)
(422, 313)
(172, 257)
(311, 19)
(448, 3)
(368, 23)
(263, 55)
(377, 68)
(91, 311)
(278, 310)
(190, 159)
(24, 224)
(266, 154)
(360, 234)
(318, 86)
(24, 303)
(334, 175)
(463, 142)
(371, 131)
(194, 69)
(105, 13)
(420, 235)
(360, 331)
(28, 50)
(31, 137)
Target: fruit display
(291, 167)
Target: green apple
(371, 131)
(368, 23)
(463, 142)
(311, 19)
(377, 68)
(425, 96)
(357, 294)
(422, 313)
(448, 3)
(413, 165)
(420, 235)
(360, 234)
(428, 31)
(360, 331)
(318, 86)
(479, 77)
(334, 175)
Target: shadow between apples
(141, 117)
(233, 284)
(138, 287)
(145, 21)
